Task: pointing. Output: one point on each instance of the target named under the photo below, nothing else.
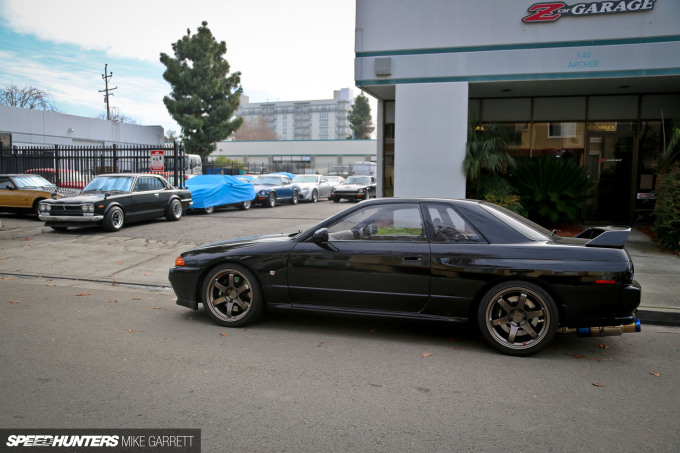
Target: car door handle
(156, 195)
(412, 258)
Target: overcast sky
(286, 50)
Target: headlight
(88, 207)
(44, 207)
(262, 192)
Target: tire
(295, 198)
(209, 210)
(174, 211)
(114, 219)
(518, 318)
(244, 206)
(59, 228)
(368, 194)
(232, 296)
(315, 196)
(271, 200)
(337, 200)
(36, 207)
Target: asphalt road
(77, 354)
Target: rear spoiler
(606, 237)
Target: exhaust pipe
(609, 331)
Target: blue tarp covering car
(210, 191)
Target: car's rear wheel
(232, 296)
(174, 210)
(114, 219)
(295, 198)
(244, 206)
(209, 210)
(36, 207)
(518, 318)
(271, 200)
(315, 196)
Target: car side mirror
(320, 236)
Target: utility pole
(106, 78)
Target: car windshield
(32, 182)
(110, 184)
(267, 180)
(358, 180)
(306, 178)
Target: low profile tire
(232, 296)
(114, 219)
(518, 318)
(271, 200)
(209, 210)
(315, 196)
(174, 211)
(245, 205)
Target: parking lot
(89, 340)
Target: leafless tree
(118, 117)
(28, 98)
(255, 129)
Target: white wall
(37, 127)
(297, 148)
(430, 133)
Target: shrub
(496, 189)
(553, 190)
(667, 209)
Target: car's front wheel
(114, 219)
(174, 210)
(209, 210)
(518, 318)
(244, 206)
(295, 198)
(315, 196)
(232, 296)
(271, 200)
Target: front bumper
(71, 218)
(348, 196)
(184, 282)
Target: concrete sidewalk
(659, 274)
(145, 262)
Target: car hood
(239, 244)
(258, 187)
(306, 185)
(80, 199)
(350, 186)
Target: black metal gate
(75, 166)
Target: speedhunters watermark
(98, 440)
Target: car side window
(392, 222)
(156, 184)
(449, 227)
(144, 183)
(6, 183)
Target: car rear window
(526, 227)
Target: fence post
(57, 165)
(115, 159)
(175, 162)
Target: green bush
(553, 190)
(667, 209)
(496, 189)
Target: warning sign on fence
(157, 160)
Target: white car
(335, 180)
(312, 187)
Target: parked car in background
(355, 188)
(339, 170)
(334, 180)
(273, 188)
(115, 200)
(425, 259)
(23, 193)
(64, 178)
(313, 187)
(209, 192)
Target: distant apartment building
(324, 119)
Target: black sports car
(115, 199)
(358, 187)
(437, 259)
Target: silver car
(312, 187)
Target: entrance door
(610, 167)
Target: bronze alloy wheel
(231, 295)
(518, 318)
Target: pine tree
(204, 95)
(360, 118)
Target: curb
(659, 317)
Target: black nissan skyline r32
(436, 259)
